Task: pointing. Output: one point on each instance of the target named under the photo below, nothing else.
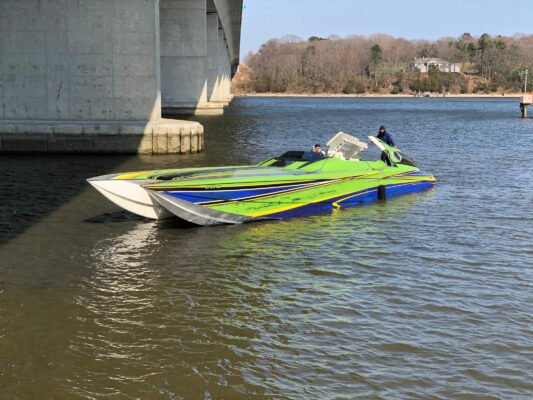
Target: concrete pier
(213, 24)
(224, 71)
(94, 76)
(163, 136)
(195, 59)
(184, 58)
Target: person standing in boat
(385, 136)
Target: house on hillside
(423, 64)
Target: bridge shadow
(33, 186)
(36, 186)
(122, 216)
(114, 217)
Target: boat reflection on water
(122, 262)
(303, 286)
(151, 246)
(212, 308)
(336, 228)
(160, 301)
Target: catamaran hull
(293, 184)
(197, 214)
(130, 195)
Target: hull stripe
(325, 199)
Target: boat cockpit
(344, 147)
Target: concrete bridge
(96, 75)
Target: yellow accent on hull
(296, 205)
(283, 193)
(336, 203)
(131, 175)
(254, 184)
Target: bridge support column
(212, 57)
(223, 71)
(84, 76)
(184, 58)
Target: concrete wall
(230, 14)
(183, 53)
(79, 59)
(224, 67)
(212, 57)
(94, 75)
(195, 58)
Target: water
(424, 296)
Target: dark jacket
(387, 138)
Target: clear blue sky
(410, 19)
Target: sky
(410, 19)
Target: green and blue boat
(293, 184)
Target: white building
(423, 64)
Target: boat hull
(293, 184)
(197, 214)
(130, 195)
(211, 206)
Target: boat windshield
(291, 156)
(345, 147)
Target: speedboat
(292, 184)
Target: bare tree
(357, 63)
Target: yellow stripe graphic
(295, 205)
(132, 175)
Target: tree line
(380, 64)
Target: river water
(423, 296)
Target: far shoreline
(377, 95)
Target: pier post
(527, 98)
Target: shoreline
(373, 95)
